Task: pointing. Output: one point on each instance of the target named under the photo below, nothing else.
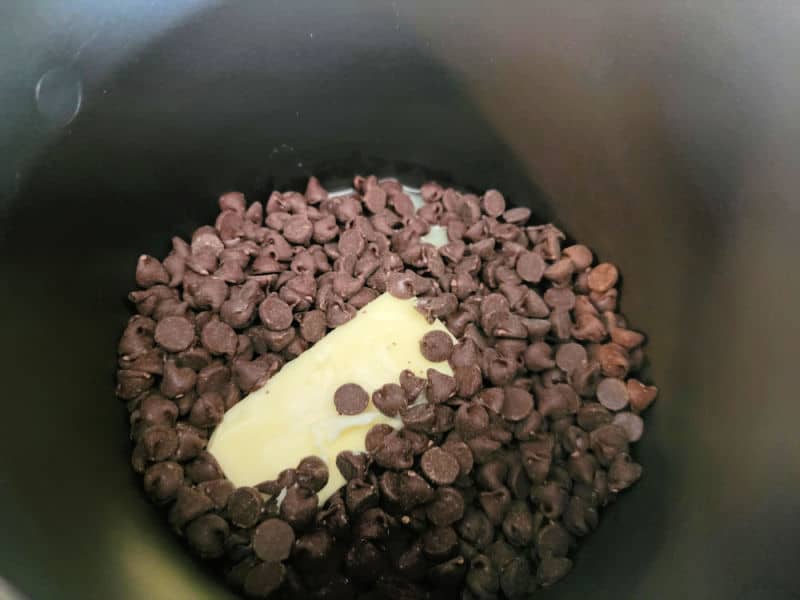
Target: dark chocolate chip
(189, 504)
(390, 399)
(439, 543)
(162, 481)
(440, 387)
(350, 399)
(436, 346)
(244, 507)
(219, 338)
(471, 420)
(275, 313)
(312, 473)
(482, 578)
(623, 472)
(264, 579)
(206, 536)
(446, 508)
(174, 333)
(273, 540)
(518, 403)
(462, 454)
(439, 466)
(299, 506)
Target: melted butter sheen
(293, 415)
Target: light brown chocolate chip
(350, 399)
(570, 356)
(436, 346)
(603, 277)
(530, 267)
(494, 204)
(612, 393)
(641, 395)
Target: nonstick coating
(662, 134)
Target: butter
(293, 415)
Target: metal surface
(663, 134)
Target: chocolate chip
(206, 536)
(491, 475)
(446, 508)
(530, 267)
(159, 443)
(350, 399)
(518, 404)
(208, 410)
(150, 272)
(608, 441)
(440, 387)
(570, 356)
(218, 490)
(313, 549)
(492, 399)
(603, 277)
(482, 578)
(364, 561)
(275, 313)
(394, 452)
(623, 472)
(580, 517)
(191, 442)
(299, 506)
(162, 481)
(373, 524)
(593, 415)
(376, 435)
(244, 507)
(298, 229)
(439, 543)
(476, 529)
(352, 465)
(640, 395)
(462, 454)
(189, 504)
(312, 473)
(436, 346)
(411, 384)
(493, 203)
(264, 579)
(390, 399)
(449, 574)
(551, 569)
(400, 285)
(439, 466)
(518, 525)
(471, 420)
(174, 333)
(273, 540)
(612, 393)
(219, 338)
(412, 490)
(203, 468)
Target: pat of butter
(293, 415)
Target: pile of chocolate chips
(490, 485)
